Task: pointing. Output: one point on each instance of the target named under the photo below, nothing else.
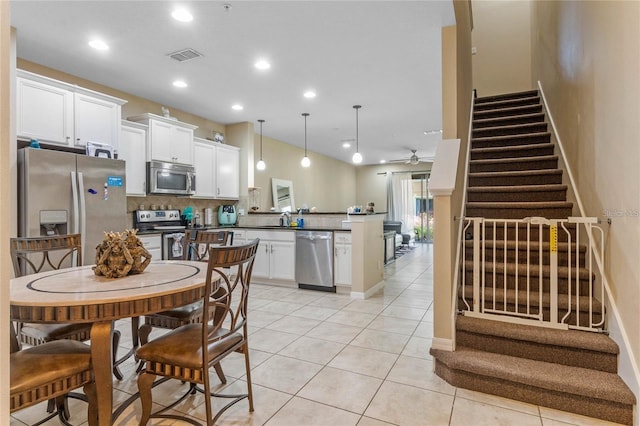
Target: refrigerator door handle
(83, 213)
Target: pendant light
(305, 160)
(260, 165)
(357, 157)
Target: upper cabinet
(65, 114)
(169, 140)
(133, 149)
(217, 170)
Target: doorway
(423, 208)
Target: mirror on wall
(283, 195)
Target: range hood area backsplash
(134, 203)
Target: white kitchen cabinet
(133, 149)
(168, 140)
(227, 172)
(204, 155)
(342, 258)
(217, 170)
(276, 256)
(65, 114)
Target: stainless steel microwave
(170, 178)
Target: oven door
(172, 245)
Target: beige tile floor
(326, 359)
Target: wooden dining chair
(30, 255)
(179, 354)
(195, 246)
(49, 372)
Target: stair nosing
(526, 147)
(563, 301)
(514, 126)
(514, 159)
(523, 204)
(517, 188)
(509, 117)
(506, 110)
(516, 172)
(508, 94)
(504, 137)
(502, 101)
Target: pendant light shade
(305, 160)
(260, 165)
(357, 157)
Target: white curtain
(402, 196)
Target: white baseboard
(365, 295)
(442, 344)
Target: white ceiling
(383, 55)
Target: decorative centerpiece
(121, 254)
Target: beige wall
(328, 184)
(501, 36)
(371, 183)
(587, 56)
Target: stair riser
(508, 121)
(511, 307)
(538, 179)
(529, 109)
(563, 256)
(504, 213)
(512, 166)
(505, 131)
(484, 106)
(583, 358)
(517, 140)
(605, 410)
(529, 196)
(535, 151)
(534, 233)
(563, 283)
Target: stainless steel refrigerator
(66, 193)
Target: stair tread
(527, 147)
(519, 204)
(508, 117)
(507, 96)
(514, 159)
(506, 111)
(563, 300)
(545, 375)
(563, 271)
(503, 137)
(509, 173)
(585, 340)
(518, 188)
(535, 245)
(511, 126)
(535, 99)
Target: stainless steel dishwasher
(314, 260)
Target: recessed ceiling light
(180, 83)
(237, 107)
(383, 161)
(99, 44)
(262, 65)
(309, 94)
(182, 15)
(432, 132)
(346, 145)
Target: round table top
(78, 295)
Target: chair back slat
(228, 276)
(30, 255)
(196, 243)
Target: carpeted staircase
(513, 174)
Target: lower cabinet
(276, 256)
(342, 259)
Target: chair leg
(248, 368)
(114, 347)
(145, 382)
(220, 373)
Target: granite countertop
(264, 227)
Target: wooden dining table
(77, 295)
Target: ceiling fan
(413, 159)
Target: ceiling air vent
(185, 55)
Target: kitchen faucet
(285, 219)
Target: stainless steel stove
(167, 222)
